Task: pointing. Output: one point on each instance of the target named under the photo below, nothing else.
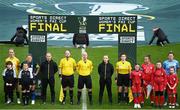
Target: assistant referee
(123, 69)
(67, 67)
(84, 68)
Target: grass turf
(95, 54)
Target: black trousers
(8, 90)
(44, 83)
(159, 42)
(107, 83)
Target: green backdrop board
(124, 26)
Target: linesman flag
(130, 94)
(61, 94)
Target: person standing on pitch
(81, 40)
(67, 67)
(136, 77)
(123, 69)
(148, 69)
(16, 65)
(105, 70)
(47, 70)
(172, 83)
(9, 76)
(159, 82)
(25, 83)
(84, 68)
(34, 69)
(170, 62)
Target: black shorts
(67, 81)
(8, 88)
(84, 80)
(34, 80)
(123, 80)
(25, 87)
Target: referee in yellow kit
(123, 69)
(84, 68)
(67, 67)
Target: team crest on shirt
(162, 74)
(174, 79)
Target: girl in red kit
(172, 81)
(136, 82)
(159, 82)
(148, 70)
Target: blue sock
(33, 95)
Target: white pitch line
(84, 104)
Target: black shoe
(142, 104)
(100, 103)
(78, 103)
(152, 104)
(91, 103)
(156, 106)
(110, 103)
(160, 107)
(119, 101)
(63, 103)
(43, 103)
(71, 102)
(127, 103)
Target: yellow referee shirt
(84, 68)
(123, 67)
(67, 66)
(16, 64)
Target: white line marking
(84, 104)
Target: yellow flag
(61, 94)
(130, 94)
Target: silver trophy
(82, 24)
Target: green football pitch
(95, 54)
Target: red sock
(152, 96)
(170, 99)
(174, 99)
(156, 100)
(161, 100)
(141, 98)
(135, 100)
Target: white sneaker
(170, 106)
(177, 105)
(25, 102)
(135, 105)
(33, 102)
(9, 101)
(138, 106)
(173, 106)
(18, 101)
(165, 104)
